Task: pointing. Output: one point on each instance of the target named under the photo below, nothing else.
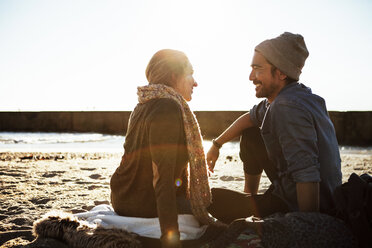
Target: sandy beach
(33, 183)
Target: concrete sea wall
(352, 127)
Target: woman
(163, 136)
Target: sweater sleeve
(166, 133)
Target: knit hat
(286, 52)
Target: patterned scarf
(198, 189)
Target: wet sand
(32, 184)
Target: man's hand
(212, 157)
(233, 131)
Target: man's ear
(281, 75)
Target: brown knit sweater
(155, 134)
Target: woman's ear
(175, 79)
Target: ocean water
(60, 142)
(74, 142)
(95, 142)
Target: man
(289, 135)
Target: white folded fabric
(105, 216)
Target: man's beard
(264, 91)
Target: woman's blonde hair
(166, 66)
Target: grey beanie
(286, 52)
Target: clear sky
(72, 55)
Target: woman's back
(155, 134)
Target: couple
(289, 135)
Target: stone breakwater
(352, 127)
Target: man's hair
(288, 80)
(166, 65)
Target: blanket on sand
(105, 216)
(305, 230)
(102, 227)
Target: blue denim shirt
(301, 142)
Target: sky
(73, 55)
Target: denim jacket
(301, 142)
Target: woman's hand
(171, 240)
(212, 157)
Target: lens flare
(178, 182)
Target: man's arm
(233, 131)
(297, 135)
(308, 196)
